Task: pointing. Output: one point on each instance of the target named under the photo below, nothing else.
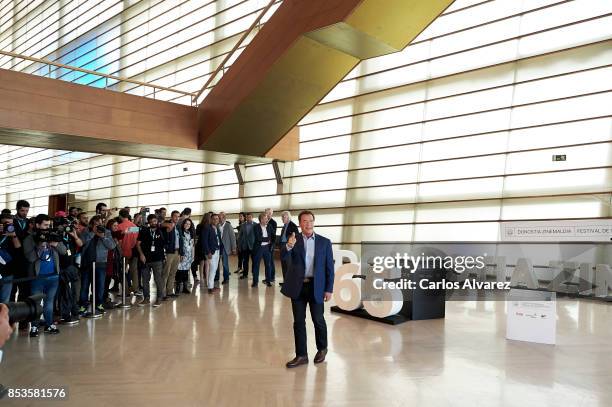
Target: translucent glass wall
(440, 141)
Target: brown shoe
(297, 361)
(320, 356)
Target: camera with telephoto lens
(25, 311)
(100, 229)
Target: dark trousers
(283, 269)
(67, 296)
(225, 262)
(194, 268)
(107, 283)
(246, 253)
(299, 320)
(240, 258)
(20, 271)
(262, 253)
(182, 276)
(86, 282)
(24, 289)
(272, 267)
(155, 268)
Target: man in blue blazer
(309, 280)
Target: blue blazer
(208, 240)
(295, 262)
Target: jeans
(299, 320)
(262, 252)
(86, 280)
(212, 270)
(48, 287)
(156, 267)
(6, 288)
(225, 261)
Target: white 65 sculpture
(348, 290)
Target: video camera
(63, 225)
(25, 311)
(47, 235)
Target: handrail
(234, 48)
(88, 71)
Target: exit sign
(559, 157)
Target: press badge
(68, 252)
(152, 248)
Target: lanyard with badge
(22, 223)
(68, 244)
(45, 253)
(153, 233)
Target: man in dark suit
(309, 280)
(246, 241)
(262, 249)
(288, 228)
(273, 226)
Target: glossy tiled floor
(229, 349)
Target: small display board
(531, 316)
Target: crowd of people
(80, 262)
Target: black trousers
(299, 320)
(182, 276)
(240, 258)
(194, 268)
(246, 254)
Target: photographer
(9, 248)
(42, 250)
(103, 211)
(82, 222)
(97, 241)
(129, 234)
(73, 214)
(114, 266)
(20, 265)
(69, 274)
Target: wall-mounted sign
(559, 157)
(597, 230)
